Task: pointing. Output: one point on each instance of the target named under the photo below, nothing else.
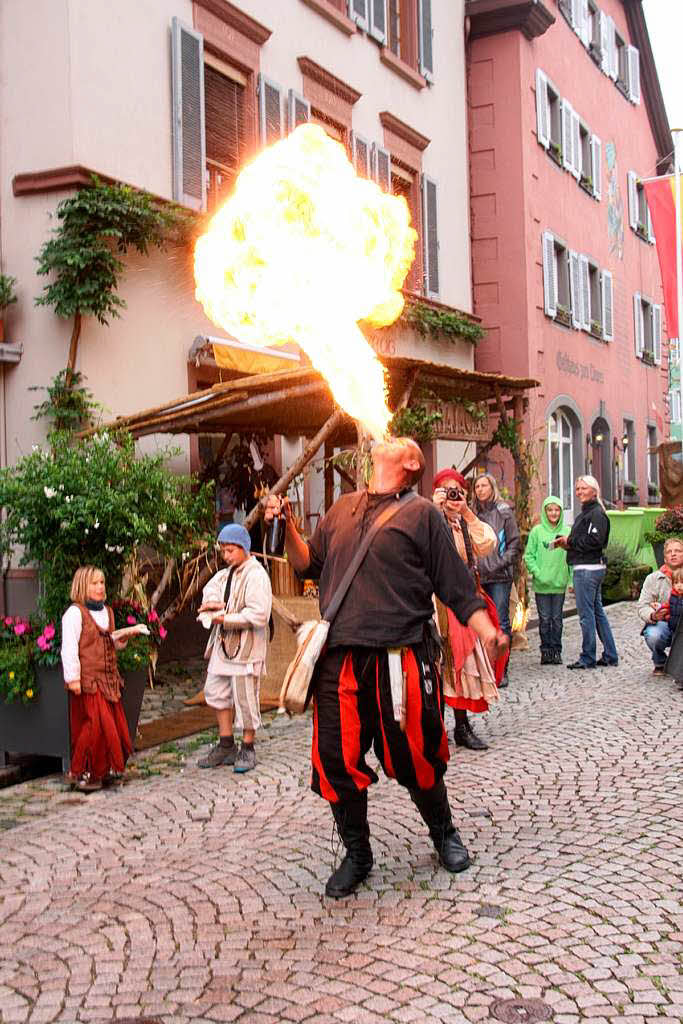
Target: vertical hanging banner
(661, 200)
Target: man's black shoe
(351, 818)
(353, 870)
(436, 813)
(557, 657)
(503, 683)
(579, 664)
(465, 737)
(604, 663)
(547, 658)
(452, 852)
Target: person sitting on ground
(654, 606)
(236, 604)
(468, 676)
(547, 565)
(100, 740)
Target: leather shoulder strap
(357, 561)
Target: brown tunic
(97, 655)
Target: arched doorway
(600, 456)
(561, 458)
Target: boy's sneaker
(219, 755)
(246, 759)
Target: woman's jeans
(549, 607)
(587, 588)
(500, 595)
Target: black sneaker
(604, 663)
(218, 755)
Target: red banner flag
(661, 193)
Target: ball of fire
(303, 251)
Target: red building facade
(566, 118)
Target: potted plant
(630, 490)
(7, 296)
(86, 502)
(596, 328)
(563, 315)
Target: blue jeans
(549, 608)
(658, 637)
(587, 588)
(500, 595)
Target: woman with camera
(470, 681)
(497, 568)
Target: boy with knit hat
(236, 605)
(547, 565)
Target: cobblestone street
(195, 896)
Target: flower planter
(42, 727)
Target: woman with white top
(100, 740)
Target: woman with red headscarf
(470, 681)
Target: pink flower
(49, 631)
(20, 628)
(9, 621)
(153, 617)
(131, 620)
(163, 632)
(43, 643)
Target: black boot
(557, 657)
(436, 813)
(464, 735)
(352, 822)
(547, 658)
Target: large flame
(302, 251)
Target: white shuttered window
(270, 110)
(549, 274)
(430, 237)
(607, 289)
(299, 110)
(425, 39)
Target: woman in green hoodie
(547, 565)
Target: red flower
(20, 628)
(163, 632)
(131, 620)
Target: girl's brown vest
(97, 655)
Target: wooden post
(329, 475)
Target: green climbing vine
(414, 421)
(440, 323)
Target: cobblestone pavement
(196, 896)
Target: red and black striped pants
(353, 711)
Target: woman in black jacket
(585, 547)
(497, 569)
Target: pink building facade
(565, 119)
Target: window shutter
(638, 324)
(633, 63)
(188, 128)
(607, 305)
(575, 291)
(299, 110)
(549, 274)
(576, 145)
(576, 16)
(633, 199)
(604, 42)
(542, 109)
(360, 155)
(596, 166)
(585, 24)
(612, 49)
(650, 230)
(585, 287)
(567, 138)
(270, 110)
(358, 12)
(430, 237)
(381, 167)
(378, 20)
(657, 332)
(426, 39)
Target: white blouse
(72, 626)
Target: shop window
(647, 320)
(561, 458)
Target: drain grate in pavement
(520, 1011)
(137, 1020)
(489, 910)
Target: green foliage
(69, 406)
(97, 226)
(17, 672)
(440, 323)
(416, 422)
(7, 292)
(618, 561)
(139, 650)
(94, 502)
(507, 435)
(667, 526)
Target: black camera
(454, 494)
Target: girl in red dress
(100, 741)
